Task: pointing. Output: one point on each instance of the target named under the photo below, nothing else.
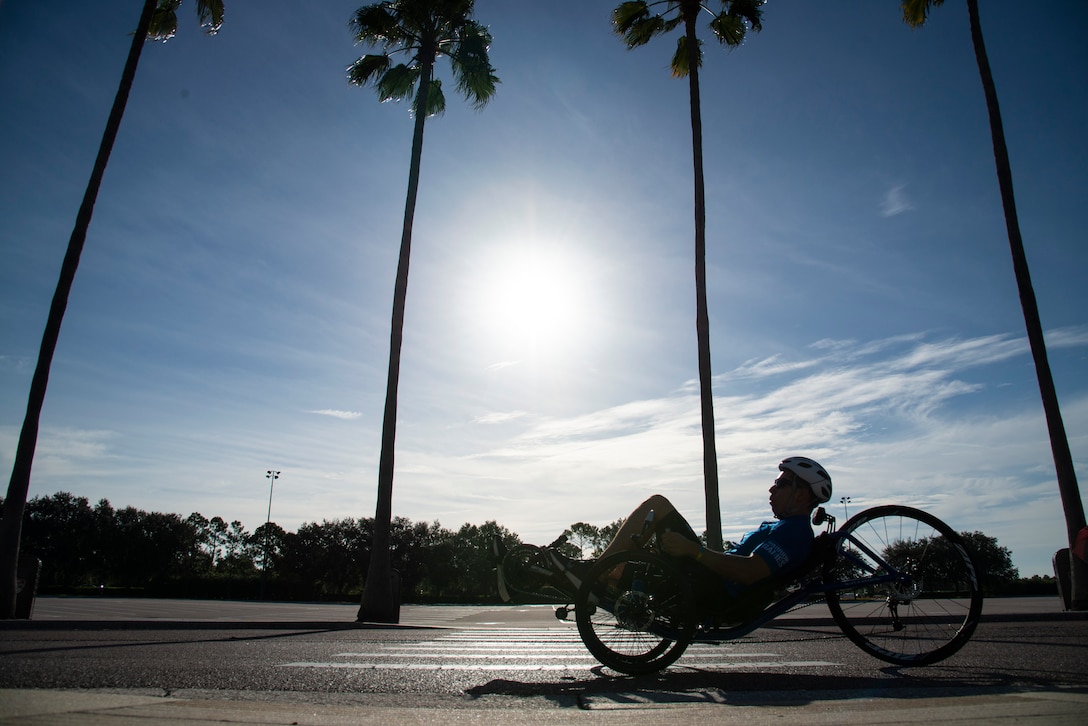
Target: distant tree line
(87, 549)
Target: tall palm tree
(915, 13)
(158, 21)
(423, 30)
(638, 22)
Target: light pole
(845, 511)
(272, 476)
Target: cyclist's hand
(678, 545)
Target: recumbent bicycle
(899, 583)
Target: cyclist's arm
(744, 569)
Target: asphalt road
(503, 657)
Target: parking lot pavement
(27, 707)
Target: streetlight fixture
(845, 512)
(272, 476)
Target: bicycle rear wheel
(640, 621)
(916, 598)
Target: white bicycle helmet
(811, 473)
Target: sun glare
(531, 300)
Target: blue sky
(231, 311)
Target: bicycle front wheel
(910, 592)
(526, 569)
(635, 612)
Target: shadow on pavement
(757, 689)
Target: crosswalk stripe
(522, 650)
(443, 648)
(430, 666)
(511, 656)
(383, 665)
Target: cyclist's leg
(569, 573)
(665, 517)
(675, 522)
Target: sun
(532, 296)
(529, 299)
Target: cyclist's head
(810, 473)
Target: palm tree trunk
(1059, 443)
(379, 601)
(702, 315)
(15, 503)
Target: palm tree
(637, 22)
(915, 13)
(423, 30)
(158, 21)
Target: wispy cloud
(1070, 337)
(345, 415)
(895, 202)
(499, 417)
(67, 450)
(771, 366)
(17, 363)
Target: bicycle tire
(641, 622)
(931, 608)
(526, 569)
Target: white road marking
(529, 650)
(429, 666)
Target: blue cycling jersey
(783, 545)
